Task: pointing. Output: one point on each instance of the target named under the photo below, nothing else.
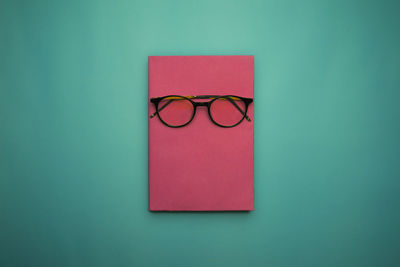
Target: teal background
(73, 133)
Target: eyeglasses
(225, 111)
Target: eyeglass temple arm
(202, 97)
(166, 104)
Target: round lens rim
(176, 126)
(227, 126)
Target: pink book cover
(201, 166)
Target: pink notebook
(201, 166)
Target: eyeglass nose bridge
(201, 104)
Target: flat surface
(73, 133)
(201, 166)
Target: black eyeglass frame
(156, 101)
